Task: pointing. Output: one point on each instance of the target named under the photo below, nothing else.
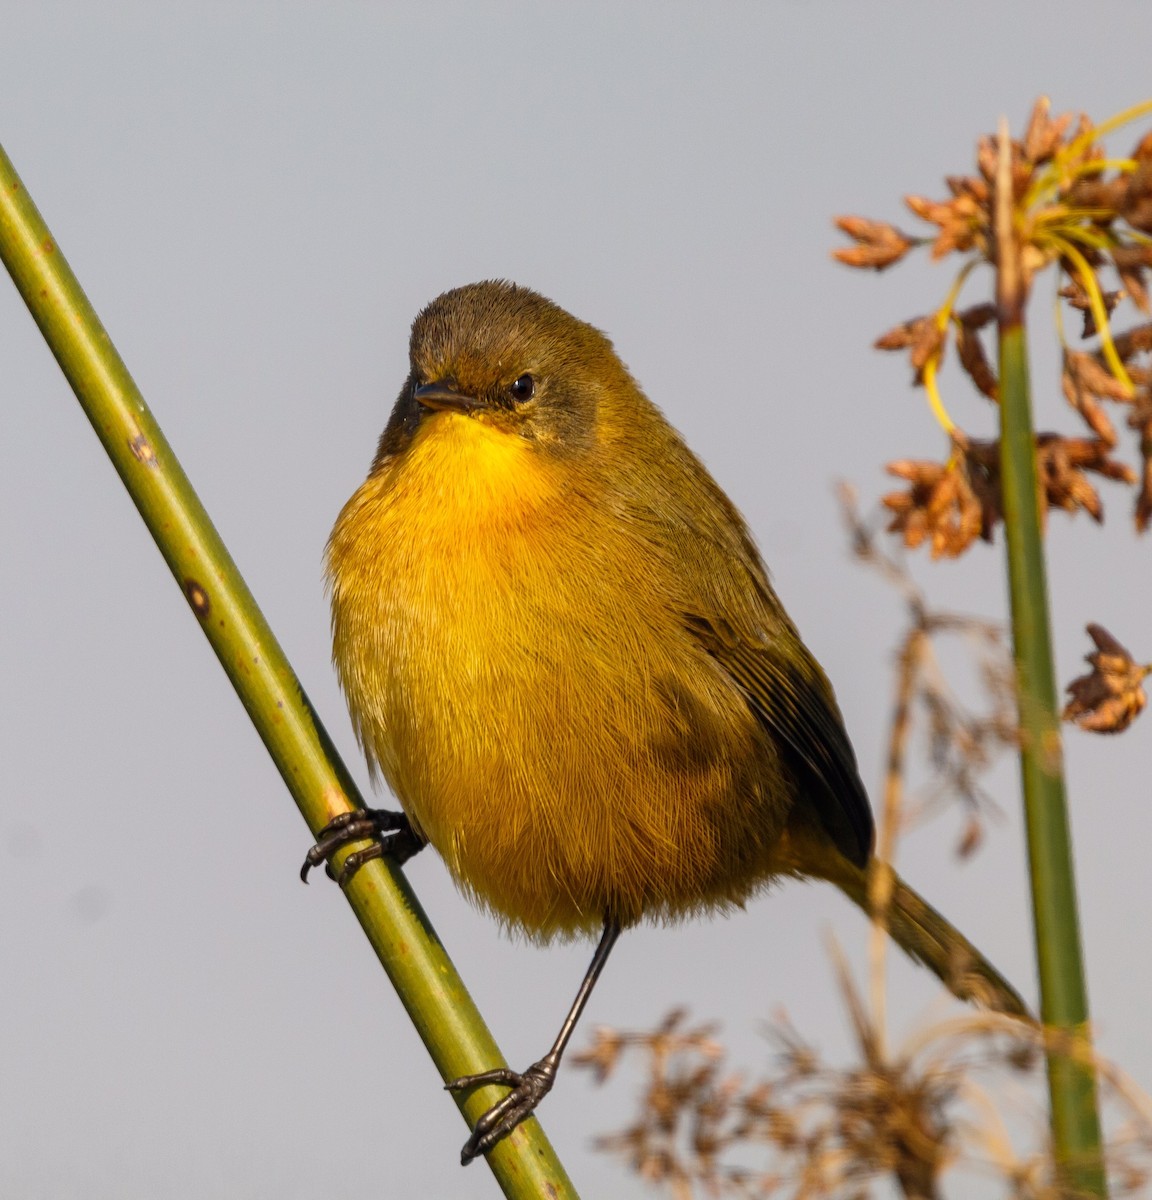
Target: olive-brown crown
(527, 362)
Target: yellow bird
(561, 649)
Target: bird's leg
(391, 835)
(531, 1086)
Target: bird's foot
(528, 1089)
(390, 832)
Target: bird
(561, 649)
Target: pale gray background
(258, 199)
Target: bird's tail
(929, 938)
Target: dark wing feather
(790, 697)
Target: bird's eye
(523, 389)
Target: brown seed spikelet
(970, 349)
(961, 221)
(1136, 206)
(922, 337)
(1085, 382)
(1131, 262)
(1044, 136)
(878, 244)
(1111, 696)
(1141, 421)
(941, 504)
(1078, 298)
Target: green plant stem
(1063, 997)
(431, 991)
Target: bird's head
(504, 355)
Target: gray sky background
(258, 199)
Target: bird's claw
(391, 834)
(528, 1089)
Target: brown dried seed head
(1077, 296)
(1083, 128)
(940, 505)
(1103, 196)
(1093, 256)
(603, 1055)
(921, 336)
(1085, 380)
(1110, 697)
(937, 212)
(1130, 263)
(1143, 150)
(1093, 455)
(878, 244)
(1142, 514)
(986, 487)
(1061, 466)
(1081, 494)
(1090, 375)
(988, 158)
(977, 316)
(971, 839)
(1111, 468)
(1094, 416)
(1142, 421)
(943, 497)
(899, 337)
(1131, 342)
(958, 235)
(927, 344)
(918, 471)
(1136, 205)
(1106, 644)
(908, 517)
(1034, 259)
(970, 351)
(1062, 485)
(968, 185)
(961, 220)
(1038, 123)
(1044, 136)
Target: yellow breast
(543, 720)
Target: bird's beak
(442, 394)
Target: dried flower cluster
(963, 742)
(1111, 696)
(952, 503)
(819, 1131)
(1084, 214)
(918, 1116)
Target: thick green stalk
(1063, 997)
(440, 1007)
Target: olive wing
(791, 698)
